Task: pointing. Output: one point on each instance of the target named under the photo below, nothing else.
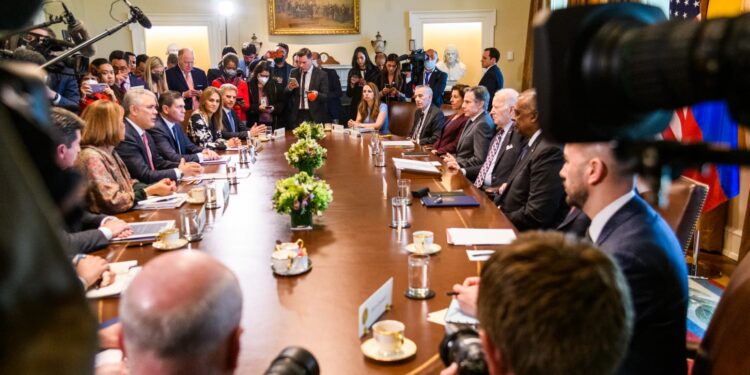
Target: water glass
(191, 224)
(404, 190)
(232, 173)
(419, 277)
(211, 198)
(379, 159)
(399, 214)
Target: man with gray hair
(428, 119)
(139, 151)
(181, 315)
(472, 147)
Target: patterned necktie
(494, 150)
(189, 80)
(418, 132)
(148, 151)
(176, 139)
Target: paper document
(415, 166)
(241, 173)
(397, 143)
(223, 159)
(472, 236)
(156, 203)
(479, 255)
(437, 317)
(124, 272)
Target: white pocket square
(508, 147)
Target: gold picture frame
(313, 17)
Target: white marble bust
(451, 64)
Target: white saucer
(158, 245)
(195, 201)
(294, 273)
(432, 249)
(370, 350)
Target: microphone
(138, 15)
(78, 32)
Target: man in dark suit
(533, 196)
(186, 79)
(504, 147)
(124, 77)
(430, 76)
(576, 223)
(139, 151)
(474, 143)
(492, 78)
(232, 127)
(171, 141)
(308, 91)
(428, 119)
(645, 248)
(334, 90)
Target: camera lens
(461, 345)
(294, 360)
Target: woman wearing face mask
(101, 72)
(371, 113)
(391, 81)
(154, 76)
(265, 95)
(229, 74)
(362, 71)
(205, 124)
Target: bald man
(181, 315)
(186, 79)
(645, 248)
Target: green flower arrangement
(310, 130)
(302, 194)
(306, 155)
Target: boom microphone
(78, 32)
(138, 15)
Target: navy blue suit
(228, 132)
(176, 82)
(65, 84)
(136, 81)
(492, 80)
(651, 259)
(437, 82)
(166, 143)
(133, 153)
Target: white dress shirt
(140, 131)
(170, 126)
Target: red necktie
(148, 151)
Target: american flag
(684, 9)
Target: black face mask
(156, 76)
(278, 60)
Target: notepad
(397, 143)
(473, 236)
(173, 200)
(146, 230)
(223, 159)
(124, 272)
(415, 166)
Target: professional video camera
(616, 72)
(294, 360)
(461, 345)
(414, 61)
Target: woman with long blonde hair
(153, 74)
(371, 112)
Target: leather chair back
(401, 118)
(686, 199)
(186, 121)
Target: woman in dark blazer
(362, 71)
(265, 98)
(454, 125)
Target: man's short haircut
(481, 94)
(284, 46)
(304, 52)
(510, 95)
(227, 87)
(142, 58)
(168, 98)
(426, 88)
(249, 49)
(117, 55)
(66, 123)
(552, 304)
(494, 53)
(128, 54)
(172, 59)
(183, 50)
(134, 96)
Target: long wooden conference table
(353, 251)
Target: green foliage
(302, 193)
(306, 155)
(310, 130)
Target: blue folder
(450, 201)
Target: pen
(451, 294)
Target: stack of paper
(223, 159)
(415, 166)
(124, 272)
(398, 144)
(241, 173)
(156, 203)
(472, 236)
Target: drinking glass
(400, 217)
(404, 190)
(419, 277)
(232, 173)
(191, 224)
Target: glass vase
(302, 221)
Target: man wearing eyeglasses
(533, 196)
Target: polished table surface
(352, 249)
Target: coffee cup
(288, 258)
(198, 194)
(169, 237)
(328, 127)
(423, 239)
(389, 335)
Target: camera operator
(551, 304)
(429, 75)
(61, 80)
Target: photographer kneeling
(550, 304)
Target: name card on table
(279, 133)
(338, 128)
(377, 304)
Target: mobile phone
(293, 80)
(98, 87)
(269, 107)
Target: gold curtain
(528, 62)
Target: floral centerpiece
(301, 196)
(306, 155)
(310, 130)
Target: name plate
(279, 133)
(375, 306)
(225, 191)
(338, 128)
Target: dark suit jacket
(492, 80)
(86, 237)
(576, 223)
(65, 84)
(647, 251)
(450, 135)
(432, 128)
(355, 93)
(176, 82)
(318, 82)
(274, 94)
(135, 80)
(133, 153)
(240, 130)
(334, 95)
(475, 140)
(438, 81)
(534, 197)
(509, 150)
(166, 143)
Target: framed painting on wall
(313, 17)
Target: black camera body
(294, 360)
(462, 345)
(414, 61)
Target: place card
(338, 128)
(479, 255)
(279, 133)
(375, 306)
(225, 191)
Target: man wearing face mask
(229, 74)
(334, 89)
(429, 76)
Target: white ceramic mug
(389, 335)
(423, 239)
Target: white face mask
(430, 64)
(262, 80)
